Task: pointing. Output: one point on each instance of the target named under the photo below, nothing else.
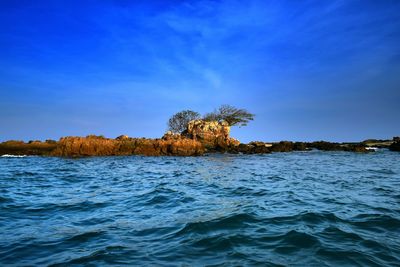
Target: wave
(13, 156)
(313, 209)
(376, 222)
(235, 221)
(162, 196)
(310, 218)
(63, 207)
(86, 236)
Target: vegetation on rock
(188, 135)
(179, 121)
(233, 116)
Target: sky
(308, 70)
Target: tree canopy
(178, 122)
(233, 116)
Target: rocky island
(198, 138)
(189, 134)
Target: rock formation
(31, 148)
(213, 135)
(98, 146)
(122, 137)
(199, 137)
(256, 147)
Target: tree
(233, 116)
(178, 122)
(212, 116)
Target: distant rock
(358, 148)
(378, 143)
(395, 146)
(326, 146)
(255, 147)
(31, 148)
(283, 146)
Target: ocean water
(282, 209)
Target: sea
(282, 209)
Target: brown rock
(99, 146)
(85, 146)
(213, 135)
(122, 137)
(22, 148)
(171, 136)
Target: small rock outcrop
(122, 137)
(213, 135)
(14, 147)
(255, 147)
(395, 146)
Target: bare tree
(211, 116)
(178, 122)
(233, 116)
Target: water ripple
(284, 209)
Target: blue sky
(309, 70)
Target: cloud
(274, 57)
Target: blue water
(298, 209)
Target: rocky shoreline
(199, 138)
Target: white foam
(13, 156)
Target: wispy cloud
(276, 57)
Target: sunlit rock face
(213, 135)
(72, 146)
(98, 146)
(122, 137)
